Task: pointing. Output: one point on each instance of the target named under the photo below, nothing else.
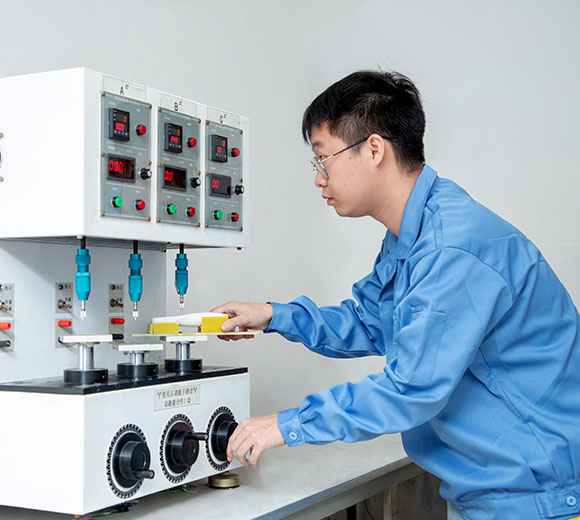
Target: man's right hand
(244, 316)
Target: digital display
(219, 148)
(121, 168)
(173, 138)
(174, 178)
(221, 186)
(119, 124)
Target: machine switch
(117, 321)
(171, 209)
(65, 324)
(195, 182)
(234, 217)
(141, 129)
(117, 202)
(192, 142)
(239, 189)
(218, 214)
(235, 152)
(140, 205)
(5, 326)
(190, 212)
(145, 173)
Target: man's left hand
(254, 435)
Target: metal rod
(86, 358)
(182, 351)
(137, 358)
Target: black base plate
(129, 371)
(183, 366)
(74, 376)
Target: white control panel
(84, 154)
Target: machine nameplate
(123, 88)
(176, 397)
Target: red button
(235, 152)
(141, 129)
(140, 204)
(65, 324)
(117, 321)
(5, 326)
(235, 217)
(190, 212)
(192, 142)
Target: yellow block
(213, 323)
(163, 328)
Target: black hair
(368, 102)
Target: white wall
(500, 82)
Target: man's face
(347, 185)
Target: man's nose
(320, 181)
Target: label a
(176, 397)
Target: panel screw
(158, 220)
(241, 131)
(207, 174)
(148, 219)
(198, 173)
(206, 225)
(149, 163)
(207, 123)
(241, 228)
(158, 165)
(199, 224)
(102, 154)
(1, 135)
(198, 121)
(150, 107)
(158, 109)
(102, 213)
(102, 93)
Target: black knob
(145, 173)
(134, 460)
(239, 189)
(5, 343)
(183, 450)
(221, 436)
(195, 182)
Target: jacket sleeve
(351, 329)
(452, 302)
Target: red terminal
(5, 326)
(192, 142)
(140, 204)
(117, 321)
(141, 129)
(235, 152)
(65, 324)
(235, 217)
(190, 212)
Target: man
(481, 339)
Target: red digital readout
(173, 139)
(169, 175)
(219, 149)
(215, 184)
(116, 166)
(120, 127)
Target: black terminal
(173, 141)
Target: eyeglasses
(318, 163)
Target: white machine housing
(51, 156)
(67, 438)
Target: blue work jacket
(482, 372)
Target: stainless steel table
(306, 482)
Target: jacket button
(293, 437)
(571, 500)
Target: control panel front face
(125, 157)
(224, 177)
(178, 172)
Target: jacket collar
(412, 216)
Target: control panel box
(85, 154)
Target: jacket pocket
(418, 340)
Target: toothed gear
(212, 459)
(169, 475)
(119, 490)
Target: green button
(171, 209)
(218, 214)
(117, 202)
